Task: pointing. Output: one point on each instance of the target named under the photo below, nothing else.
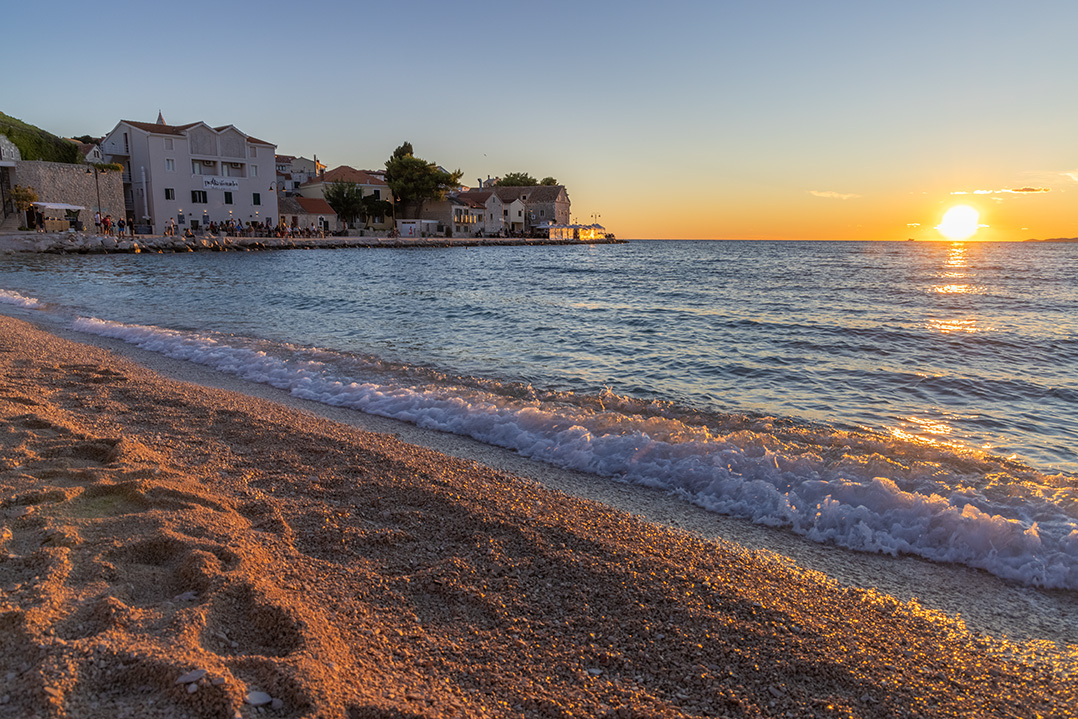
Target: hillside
(36, 144)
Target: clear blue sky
(853, 119)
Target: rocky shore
(69, 243)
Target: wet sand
(171, 547)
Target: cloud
(1073, 174)
(832, 195)
(1015, 191)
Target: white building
(193, 173)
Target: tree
(23, 197)
(518, 179)
(372, 207)
(346, 200)
(548, 182)
(413, 181)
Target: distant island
(1055, 239)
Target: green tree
(346, 200)
(548, 182)
(413, 181)
(518, 179)
(373, 207)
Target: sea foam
(10, 297)
(859, 490)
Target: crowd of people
(106, 226)
(240, 228)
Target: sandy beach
(172, 547)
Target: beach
(172, 548)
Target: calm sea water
(895, 397)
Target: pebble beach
(174, 549)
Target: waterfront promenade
(90, 243)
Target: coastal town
(159, 187)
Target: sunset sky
(708, 119)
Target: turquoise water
(873, 395)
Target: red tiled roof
(181, 129)
(344, 173)
(160, 129)
(315, 206)
(480, 196)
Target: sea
(914, 398)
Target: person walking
(97, 222)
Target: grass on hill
(36, 144)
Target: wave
(10, 297)
(856, 489)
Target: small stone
(594, 671)
(277, 704)
(185, 597)
(192, 687)
(257, 699)
(192, 676)
(23, 511)
(52, 692)
(776, 692)
(217, 681)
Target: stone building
(302, 212)
(9, 155)
(81, 185)
(542, 204)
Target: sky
(771, 119)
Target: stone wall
(74, 185)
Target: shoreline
(467, 580)
(1011, 612)
(88, 243)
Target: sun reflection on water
(950, 326)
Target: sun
(959, 223)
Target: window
(196, 167)
(228, 198)
(542, 213)
(254, 152)
(170, 165)
(170, 193)
(256, 198)
(168, 143)
(198, 197)
(377, 194)
(254, 170)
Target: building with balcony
(194, 173)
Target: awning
(57, 206)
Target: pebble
(257, 699)
(192, 676)
(192, 687)
(277, 704)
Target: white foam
(10, 297)
(856, 491)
